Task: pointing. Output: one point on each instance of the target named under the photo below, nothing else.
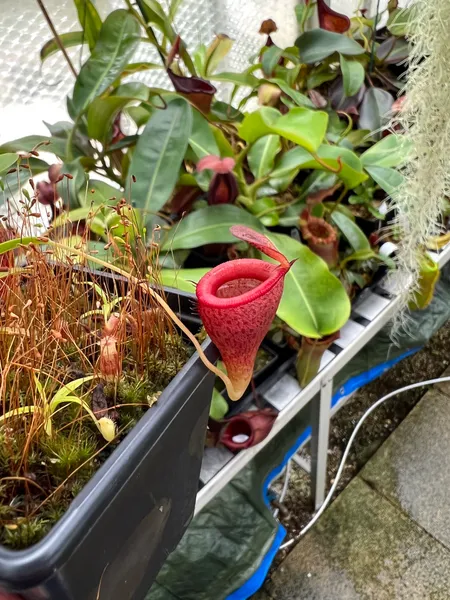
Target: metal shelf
(370, 313)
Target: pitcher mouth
(264, 275)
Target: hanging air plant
(420, 200)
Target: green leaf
(358, 255)
(355, 236)
(101, 114)
(68, 389)
(314, 301)
(174, 6)
(73, 38)
(158, 156)
(221, 111)
(270, 59)
(257, 124)
(26, 144)
(209, 225)
(139, 114)
(351, 172)
(89, 20)
(388, 179)
(7, 161)
(96, 223)
(299, 98)
(216, 52)
(391, 151)
(317, 44)
(102, 111)
(353, 74)
(138, 67)
(262, 155)
(155, 14)
(374, 110)
(203, 143)
(16, 242)
(202, 140)
(320, 75)
(241, 79)
(119, 37)
(12, 182)
(225, 148)
(219, 406)
(181, 279)
(301, 125)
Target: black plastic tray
(117, 533)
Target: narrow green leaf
(388, 179)
(138, 67)
(7, 161)
(391, 151)
(69, 389)
(73, 38)
(209, 225)
(158, 156)
(355, 236)
(317, 44)
(16, 242)
(241, 79)
(314, 301)
(182, 279)
(89, 20)
(216, 52)
(353, 74)
(262, 155)
(174, 6)
(119, 37)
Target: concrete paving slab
(412, 468)
(363, 548)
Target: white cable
(285, 487)
(347, 450)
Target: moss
(65, 453)
(24, 532)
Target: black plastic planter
(117, 533)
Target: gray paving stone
(444, 387)
(364, 548)
(412, 468)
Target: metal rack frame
(322, 411)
